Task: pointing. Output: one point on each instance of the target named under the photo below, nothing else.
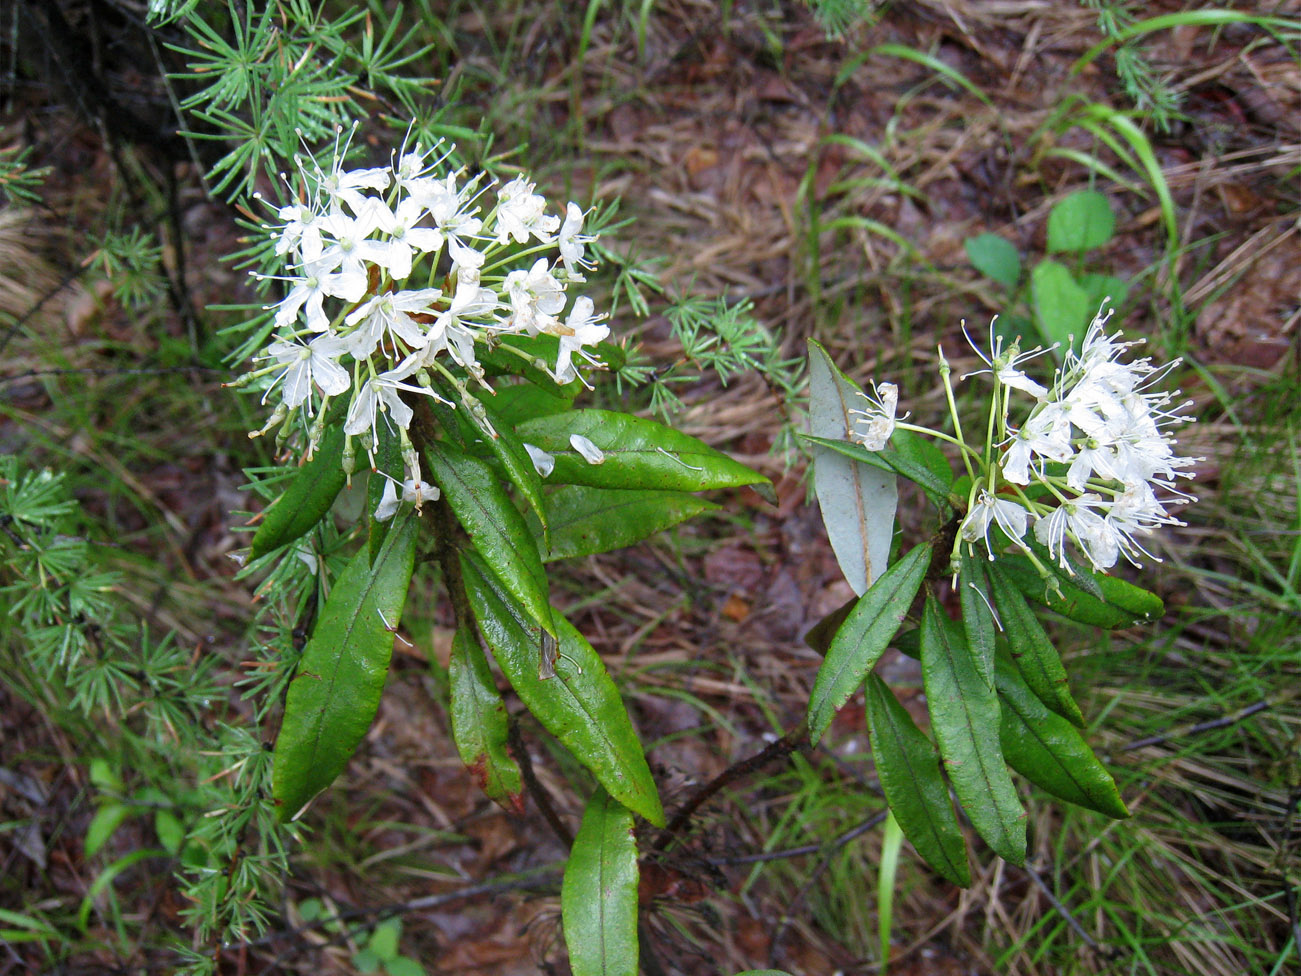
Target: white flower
(543, 462)
(390, 313)
(405, 238)
(351, 247)
(535, 298)
(311, 290)
(414, 492)
(1008, 515)
(590, 452)
(874, 425)
(1006, 365)
(455, 221)
(304, 365)
(1077, 519)
(379, 395)
(521, 212)
(301, 233)
(581, 328)
(571, 241)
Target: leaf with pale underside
(858, 501)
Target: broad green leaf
(1131, 599)
(598, 897)
(496, 527)
(1062, 309)
(858, 501)
(535, 366)
(170, 831)
(1081, 222)
(964, 715)
(509, 450)
(977, 611)
(580, 705)
(1032, 650)
(995, 258)
(590, 520)
(388, 461)
(1102, 289)
(515, 403)
(916, 451)
(1045, 749)
(307, 499)
(103, 825)
(334, 695)
(937, 488)
(479, 722)
(384, 940)
(863, 637)
(639, 453)
(909, 771)
(1081, 597)
(404, 966)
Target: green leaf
(639, 453)
(580, 705)
(333, 697)
(515, 403)
(1062, 309)
(388, 461)
(1045, 749)
(995, 258)
(977, 613)
(910, 775)
(1087, 597)
(857, 500)
(1081, 222)
(384, 940)
(1103, 289)
(366, 961)
(964, 714)
(308, 498)
(590, 520)
(598, 897)
(918, 452)
(509, 450)
(103, 825)
(496, 527)
(864, 636)
(937, 488)
(479, 722)
(403, 966)
(1032, 650)
(170, 831)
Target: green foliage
(19, 183)
(1061, 300)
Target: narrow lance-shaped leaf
(1045, 749)
(580, 705)
(909, 771)
(1032, 650)
(333, 697)
(964, 719)
(598, 897)
(638, 453)
(936, 487)
(863, 637)
(591, 520)
(977, 611)
(309, 496)
(496, 527)
(858, 501)
(479, 722)
(1086, 597)
(388, 464)
(509, 450)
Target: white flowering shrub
(430, 341)
(1082, 470)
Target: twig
(1058, 907)
(534, 788)
(874, 821)
(779, 749)
(1207, 726)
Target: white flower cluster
(390, 268)
(1095, 451)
